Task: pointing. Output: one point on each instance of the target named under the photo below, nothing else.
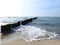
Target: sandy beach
(20, 41)
(42, 42)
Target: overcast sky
(29, 8)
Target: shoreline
(16, 36)
(19, 41)
(23, 42)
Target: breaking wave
(31, 33)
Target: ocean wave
(31, 33)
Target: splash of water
(31, 33)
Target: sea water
(40, 29)
(32, 33)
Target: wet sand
(23, 42)
(42, 42)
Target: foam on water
(31, 33)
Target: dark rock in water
(6, 29)
(18, 23)
(26, 21)
(15, 24)
(35, 18)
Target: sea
(43, 28)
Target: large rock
(5, 29)
(26, 21)
(15, 24)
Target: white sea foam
(31, 33)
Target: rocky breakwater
(7, 28)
